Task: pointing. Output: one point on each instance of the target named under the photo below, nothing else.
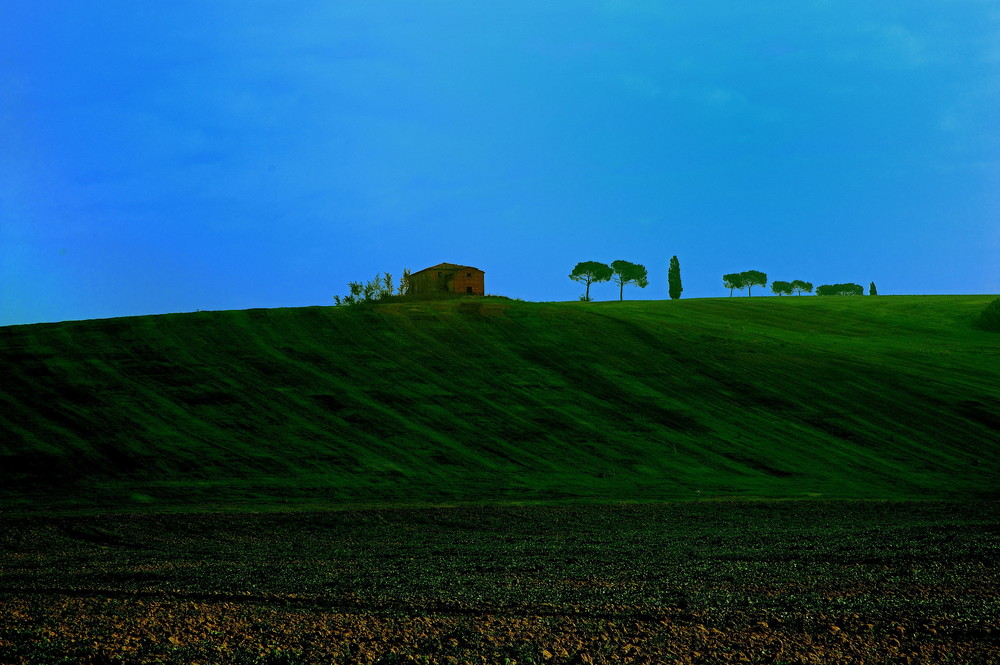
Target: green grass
(490, 400)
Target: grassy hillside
(494, 400)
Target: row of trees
(796, 286)
(849, 289)
(750, 278)
(744, 280)
(622, 273)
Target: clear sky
(221, 154)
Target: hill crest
(488, 399)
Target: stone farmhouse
(448, 278)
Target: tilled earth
(707, 582)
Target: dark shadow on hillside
(977, 412)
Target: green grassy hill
(495, 400)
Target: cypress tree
(674, 279)
(871, 289)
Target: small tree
(872, 291)
(799, 286)
(591, 272)
(353, 297)
(626, 273)
(674, 287)
(386, 288)
(753, 278)
(404, 283)
(733, 281)
(781, 288)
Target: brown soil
(684, 583)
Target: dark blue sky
(160, 157)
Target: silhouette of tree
(753, 278)
(849, 289)
(591, 272)
(872, 291)
(733, 281)
(626, 273)
(674, 279)
(799, 286)
(781, 288)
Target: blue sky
(163, 157)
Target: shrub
(374, 291)
(990, 318)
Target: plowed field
(708, 582)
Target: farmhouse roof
(446, 266)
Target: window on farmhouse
(468, 274)
(468, 289)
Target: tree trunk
(588, 291)
(621, 290)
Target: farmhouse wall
(448, 278)
(469, 281)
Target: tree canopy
(747, 278)
(781, 288)
(674, 279)
(849, 289)
(590, 272)
(628, 273)
(799, 286)
(733, 281)
(753, 278)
